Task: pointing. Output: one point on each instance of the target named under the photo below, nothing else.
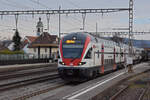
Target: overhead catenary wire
(8, 4)
(48, 21)
(22, 27)
(14, 5)
(83, 16)
(47, 15)
(66, 11)
(39, 3)
(72, 3)
(17, 4)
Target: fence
(25, 59)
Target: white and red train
(84, 56)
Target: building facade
(45, 45)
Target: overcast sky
(72, 23)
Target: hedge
(11, 52)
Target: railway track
(137, 88)
(127, 93)
(10, 70)
(42, 91)
(4, 87)
(25, 73)
(27, 78)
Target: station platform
(7, 68)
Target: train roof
(96, 38)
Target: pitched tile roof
(27, 40)
(6, 43)
(45, 39)
(31, 38)
(2, 47)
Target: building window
(38, 30)
(34, 49)
(45, 49)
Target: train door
(89, 56)
(102, 59)
(120, 55)
(117, 55)
(114, 59)
(96, 55)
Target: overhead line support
(67, 11)
(61, 11)
(130, 26)
(59, 24)
(16, 20)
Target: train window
(89, 54)
(34, 49)
(96, 40)
(105, 61)
(58, 56)
(45, 49)
(122, 54)
(111, 61)
(116, 54)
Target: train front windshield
(72, 50)
(73, 45)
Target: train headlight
(81, 63)
(62, 63)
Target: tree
(117, 39)
(17, 41)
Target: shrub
(11, 52)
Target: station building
(42, 45)
(45, 45)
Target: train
(84, 56)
